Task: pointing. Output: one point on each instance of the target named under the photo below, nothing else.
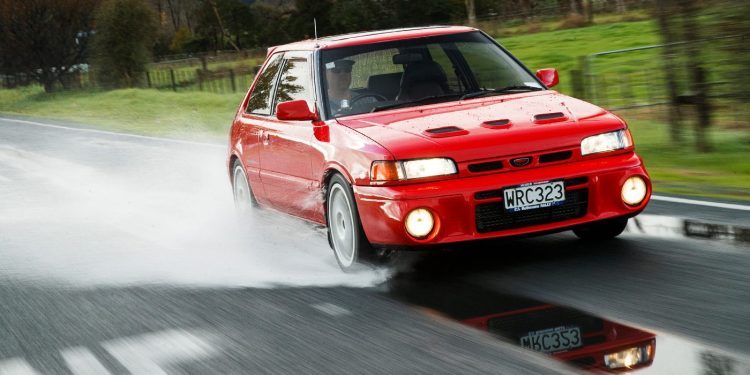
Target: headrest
(407, 58)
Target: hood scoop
(547, 118)
(497, 124)
(445, 131)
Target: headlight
(630, 357)
(386, 170)
(606, 142)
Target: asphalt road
(122, 254)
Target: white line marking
(45, 125)
(331, 309)
(701, 203)
(82, 361)
(152, 353)
(16, 366)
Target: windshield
(381, 76)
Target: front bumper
(462, 215)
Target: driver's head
(339, 74)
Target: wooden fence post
(199, 78)
(174, 83)
(576, 83)
(231, 80)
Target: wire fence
(221, 72)
(636, 78)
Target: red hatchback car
(422, 136)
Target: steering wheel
(359, 97)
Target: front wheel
(602, 230)
(345, 234)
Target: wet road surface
(122, 254)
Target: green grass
(563, 49)
(724, 173)
(186, 115)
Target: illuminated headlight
(629, 357)
(387, 170)
(606, 142)
(419, 223)
(634, 191)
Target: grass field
(185, 115)
(193, 114)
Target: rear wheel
(602, 230)
(244, 200)
(345, 233)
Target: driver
(339, 77)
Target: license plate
(534, 195)
(553, 340)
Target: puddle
(583, 340)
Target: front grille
(492, 216)
(555, 156)
(485, 167)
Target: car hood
(485, 128)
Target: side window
(260, 99)
(296, 81)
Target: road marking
(331, 309)
(172, 140)
(82, 361)
(151, 353)
(701, 203)
(16, 366)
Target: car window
(491, 67)
(374, 63)
(260, 99)
(295, 82)
(437, 51)
(393, 74)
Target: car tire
(602, 230)
(345, 233)
(244, 199)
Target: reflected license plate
(534, 195)
(553, 340)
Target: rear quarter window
(260, 99)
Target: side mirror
(295, 110)
(548, 76)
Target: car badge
(521, 162)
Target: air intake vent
(496, 124)
(446, 131)
(555, 156)
(546, 118)
(484, 167)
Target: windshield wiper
(502, 90)
(426, 99)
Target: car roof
(368, 37)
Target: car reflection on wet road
(122, 254)
(573, 336)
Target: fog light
(634, 190)
(629, 357)
(419, 223)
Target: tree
(45, 40)
(125, 33)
